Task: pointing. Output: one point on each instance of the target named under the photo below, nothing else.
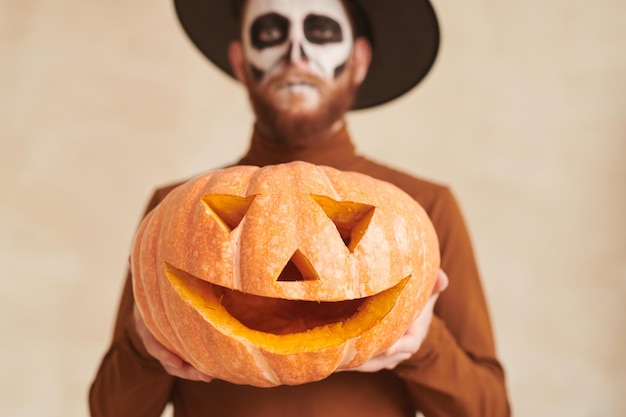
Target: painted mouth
(296, 87)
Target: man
(305, 63)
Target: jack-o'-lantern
(282, 274)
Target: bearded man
(305, 64)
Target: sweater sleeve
(129, 382)
(456, 371)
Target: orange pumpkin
(282, 274)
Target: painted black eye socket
(269, 30)
(322, 29)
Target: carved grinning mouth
(266, 314)
(279, 316)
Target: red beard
(290, 122)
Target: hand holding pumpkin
(171, 362)
(412, 339)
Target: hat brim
(405, 38)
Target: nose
(296, 55)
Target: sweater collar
(336, 151)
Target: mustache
(293, 76)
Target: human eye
(270, 34)
(322, 29)
(269, 30)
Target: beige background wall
(524, 115)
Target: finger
(165, 356)
(380, 362)
(153, 346)
(171, 362)
(187, 371)
(160, 352)
(408, 344)
(397, 359)
(174, 364)
(389, 362)
(441, 283)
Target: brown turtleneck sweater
(455, 373)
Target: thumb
(441, 283)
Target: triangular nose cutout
(229, 210)
(298, 269)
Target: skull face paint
(314, 34)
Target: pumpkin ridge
(235, 239)
(155, 308)
(262, 363)
(348, 354)
(329, 182)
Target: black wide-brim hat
(404, 35)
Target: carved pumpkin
(282, 274)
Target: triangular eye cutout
(298, 269)
(227, 209)
(351, 219)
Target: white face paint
(313, 33)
